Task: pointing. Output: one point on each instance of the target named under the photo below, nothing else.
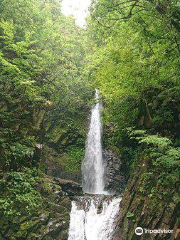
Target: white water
(93, 217)
(87, 224)
(93, 165)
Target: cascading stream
(92, 217)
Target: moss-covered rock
(50, 220)
(147, 209)
(64, 165)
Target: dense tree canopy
(136, 63)
(42, 56)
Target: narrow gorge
(102, 212)
(93, 215)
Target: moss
(55, 208)
(71, 159)
(64, 165)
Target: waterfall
(92, 217)
(93, 166)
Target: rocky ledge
(70, 187)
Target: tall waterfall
(93, 166)
(93, 216)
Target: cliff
(149, 209)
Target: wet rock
(137, 209)
(115, 176)
(71, 188)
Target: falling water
(93, 166)
(92, 217)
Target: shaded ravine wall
(146, 211)
(115, 174)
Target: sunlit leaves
(41, 60)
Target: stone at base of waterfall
(70, 187)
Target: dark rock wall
(115, 176)
(141, 210)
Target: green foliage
(42, 86)
(71, 159)
(135, 65)
(150, 140)
(163, 163)
(18, 193)
(17, 154)
(159, 148)
(130, 215)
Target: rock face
(54, 165)
(51, 220)
(70, 187)
(115, 175)
(137, 209)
